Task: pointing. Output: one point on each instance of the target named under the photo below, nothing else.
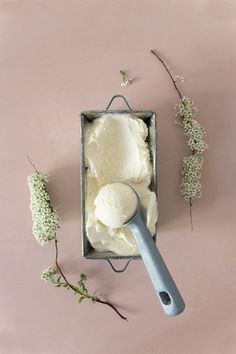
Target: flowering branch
(192, 165)
(45, 224)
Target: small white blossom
(49, 274)
(179, 78)
(196, 145)
(125, 80)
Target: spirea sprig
(45, 225)
(191, 171)
(190, 185)
(45, 219)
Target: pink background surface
(60, 57)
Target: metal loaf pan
(86, 117)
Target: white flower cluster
(185, 109)
(192, 165)
(186, 112)
(49, 274)
(45, 219)
(197, 145)
(190, 184)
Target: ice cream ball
(115, 204)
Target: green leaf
(84, 289)
(81, 299)
(83, 277)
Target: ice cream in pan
(116, 151)
(121, 210)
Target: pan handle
(120, 97)
(119, 270)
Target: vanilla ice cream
(116, 151)
(115, 204)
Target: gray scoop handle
(168, 293)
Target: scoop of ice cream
(115, 204)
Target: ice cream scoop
(118, 204)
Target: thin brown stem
(168, 71)
(191, 204)
(112, 306)
(191, 214)
(93, 298)
(30, 161)
(59, 268)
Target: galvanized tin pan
(86, 117)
